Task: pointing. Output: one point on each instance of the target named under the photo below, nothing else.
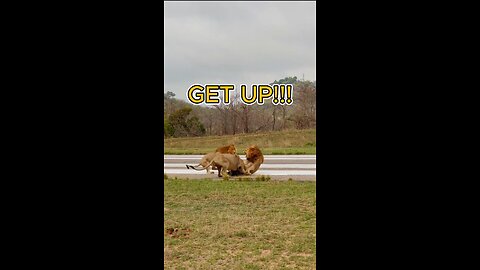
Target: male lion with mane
(228, 149)
(254, 159)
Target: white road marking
(306, 157)
(294, 165)
(259, 172)
(263, 166)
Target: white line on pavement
(259, 172)
(263, 166)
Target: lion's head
(253, 153)
(228, 149)
(232, 149)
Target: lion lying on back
(254, 159)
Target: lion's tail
(194, 167)
(199, 165)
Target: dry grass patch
(288, 142)
(239, 224)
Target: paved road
(278, 167)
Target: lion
(228, 149)
(223, 162)
(204, 162)
(228, 162)
(254, 159)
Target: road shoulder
(272, 177)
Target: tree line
(182, 119)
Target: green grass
(217, 224)
(287, 142)
(265, 151)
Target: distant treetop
(168, 95)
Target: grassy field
(287, 142)
(216, 224)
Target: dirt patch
(266, 253)
(178, 232)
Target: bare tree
(304, 114)
(234, 111)
(283, 108)
(274, 116)
(238, 117)
(262, 118)
(223, 113)
(245, 114)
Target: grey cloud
(237, 42)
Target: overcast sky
(237, 43)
